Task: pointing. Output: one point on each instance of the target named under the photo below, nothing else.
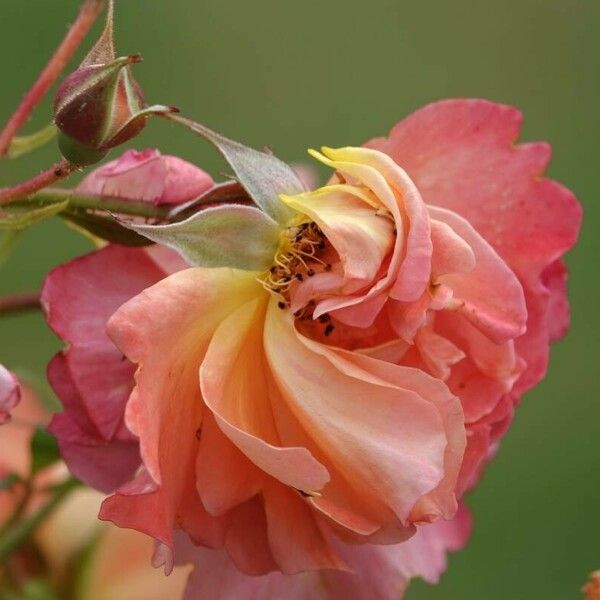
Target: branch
(85, 19)
(58, 171)
(18, 303)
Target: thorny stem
(20, 302)
(25, 189)
(85, 19)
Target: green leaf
(29, 143)
(7, 243)
(107, 228)
(230, 235)
(44, 450)
(263, 175)
(25, 215)
(38, 589)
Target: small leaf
(23, 216)
(263, 175)
(222, 236)
(44, 450)
(28, 143)
(7, 243)
(107, 228)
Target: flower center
(299, 257)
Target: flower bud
(100, 105)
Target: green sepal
(229, 235)
(263, 175)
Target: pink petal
(490, 295)
(461, 155)
(247, 543)
(295, 539)
(10, 393)
(147, 176)
(379, 572)
(218, 455)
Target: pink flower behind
(10, 393)
(92, 378)
(148, 176)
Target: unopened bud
(100, 105)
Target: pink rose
(353, 386)
(148, 176)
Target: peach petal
(393, 445)
(361, 237)
(164, 410)
(451, 253)
(235, 388)
(218, 455)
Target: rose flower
(321, 387)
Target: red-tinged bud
(100, 105)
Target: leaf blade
(230, 235)
(263, 175)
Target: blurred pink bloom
(118, 565)
(10, 393)
(147, 176)
(412, 304)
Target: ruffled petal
(391, 445)
(462, 156)
(166, 330)
(490, 295)
(361, 237)
(234, 385)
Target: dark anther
(303, 493)
(299, 276)
(58, 172)
(298, 312)
(198, 432)
(329, 329)
(310, 272)
(273, 269)
(281, 305)
(321, 245)
(327, 267)
(324, 318)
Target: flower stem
(25, 189)
(59, 60)
(92, 202)
(18, 303)
(16, 535)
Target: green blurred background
(300, 74)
